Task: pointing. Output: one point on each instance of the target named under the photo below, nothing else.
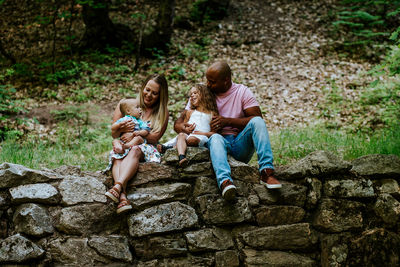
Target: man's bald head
(219, 77)
(222, 68)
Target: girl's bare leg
(193, 141)
(181, 143)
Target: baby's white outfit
(202, 121)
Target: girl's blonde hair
(160, 110)
(207, 99)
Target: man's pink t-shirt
(232, 103)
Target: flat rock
(18, 249)
(150, 196)
(193, 154)
(88, 219)
(13, 175)
(153, 172)
(160, 247)
(210, 239)
(277, 215)
(227, 258)
(377, 166)
(336, 215)
(283, 237)
(74, 252)
(360, 188)
(39, 193)
(32, 219)
(205, 185)
(191, 261)
(215, 210)
(375, 247)
(76, 190)
(317, 163)
(289, 194)
(163, 218)
(387, 186)
(112, 246)
(276, 259)
(242, 171)
(335, 249)
(198, 169)
(388, 208)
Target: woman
(153, 99)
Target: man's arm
(181, 124)
(219, 122)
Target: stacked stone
(328, 213)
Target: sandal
(114, 193)
(183, 162)
(124, 205)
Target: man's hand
(217, 123)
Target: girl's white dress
(202, 121)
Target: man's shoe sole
(229, 193)
(271, 186)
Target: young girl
(203, 107)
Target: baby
(131, 111)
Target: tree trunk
(100, 30)
(161, 36)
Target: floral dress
(150, 153)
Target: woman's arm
(153, 137)
(123, 127)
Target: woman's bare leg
(123, 170)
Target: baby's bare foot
(117, 147)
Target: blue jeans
(254, 136)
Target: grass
(291, 144)
(90, 149)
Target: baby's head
(200, 96)
(130, 107)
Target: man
(240, 127)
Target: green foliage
(367, 21)
(89, 150)
(292, 144)
(377, 105)
(9, 106)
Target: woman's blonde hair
(207, 99)
(160, 110)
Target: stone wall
(328, 213)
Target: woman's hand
(127, 126)
(217, 123)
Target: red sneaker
(267, 178)
(228, 190)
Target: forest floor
(280, 49)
